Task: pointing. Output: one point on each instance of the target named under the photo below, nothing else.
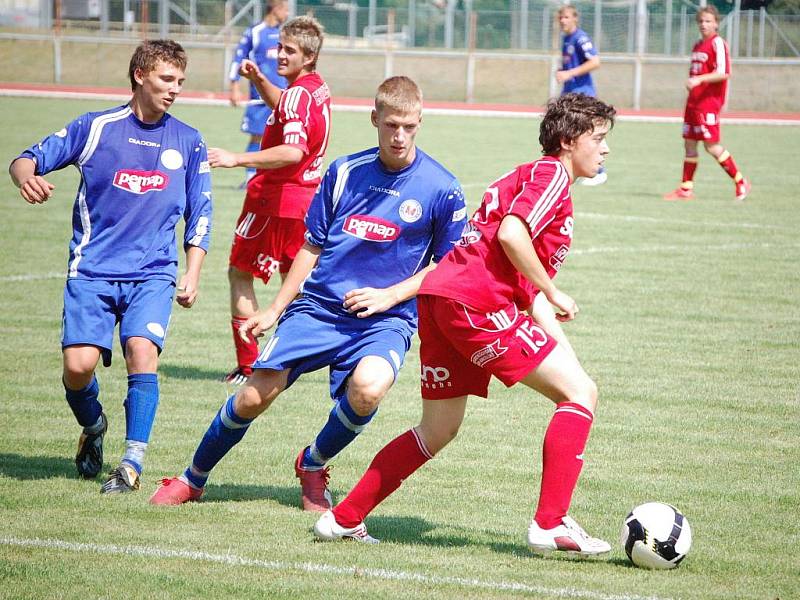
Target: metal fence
(624, 26)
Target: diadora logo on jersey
(410, 211)
(558, 257)
(435, 377)
(383, 190)
(488, 353)
(143, 143)
(140, 182)
(373, 229)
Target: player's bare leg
(561, 378)
(398, 460)
(244, 305)
(141, 404)
(725, 160)
(82, 390)
(369, 383)
(226, 430)
(685, 191)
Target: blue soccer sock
(225, 431)
(342, 428)
(140, 413)
(252, 147)
(84, 404)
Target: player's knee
(256, 395)
(585, 394)
(365, 396)
(141, 355)
(436, 438)
(77, 375)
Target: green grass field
(689, 324)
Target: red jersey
(477, 272)
(709, 56)
(302, 119)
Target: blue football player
(259, 44)
(579, 59)
(141, 170)
(377, 220)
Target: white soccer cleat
(567, 537)
(327, 529)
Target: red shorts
(263, 244)
(701, 125)
(461, 348)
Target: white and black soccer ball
(656, 536)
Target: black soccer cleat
(121, 480)
(89, 459)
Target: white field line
(467, 112)
(32, 277)
(307, 567)
(676, 249)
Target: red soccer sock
(689, 167)
(246, 352)
(562, 459)
(727, 163)
(395, 462)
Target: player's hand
(566, 309)
(217, 157)
(186, 291)
(249, 70)
(36, 190)
(562, 76)
(256, 325)
(368, 301)
(235, 95)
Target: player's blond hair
(308, 34)
(570, 116)
(709, 9)
(569, 8)
(150, 52)
(400, 94)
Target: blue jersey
(576, 49)
(377, 227)
(259, 43)
(137, 180)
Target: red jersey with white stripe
(477, 272)
(302, 119)
(709, 56)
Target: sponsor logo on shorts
(488, 353)
(140, 182)
(557, 259)
(373, 229)
(435, 377)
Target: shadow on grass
(22, 467)
(183, 372)
(287, 496)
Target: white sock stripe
(316, 455)
(421, 444)
(575, 411)
(346, 421)
(228, 421)
(197, 473)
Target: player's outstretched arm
(515, 238)
(368, 301)
(304, 262)
(189, 282)
(34, 188)
(269, 92)
(270, 158)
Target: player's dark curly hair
(148, 54)
(570, 116)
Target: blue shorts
(92, 308)
(255, 118)
(310, 336)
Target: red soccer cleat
(742, 189)
(679, 194)
(173, 491)
(315, 494)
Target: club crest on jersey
(410, 211)
(370, 228)
(140, 182)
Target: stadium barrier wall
(627, 81)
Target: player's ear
(374, 117)
(309, 60)
(138, 75)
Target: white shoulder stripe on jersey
(547, 199)
(719, 50)
(97, 128)
(256, 37)
(291, 99)
(343, 172)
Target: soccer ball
(656, 536)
